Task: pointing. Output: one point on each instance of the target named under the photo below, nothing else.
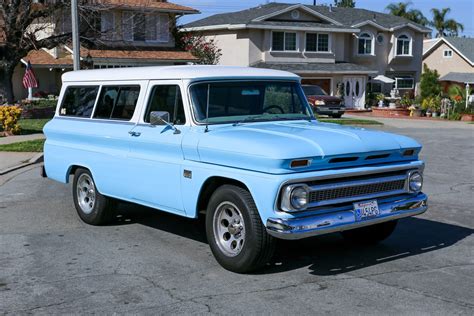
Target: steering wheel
(279, 108)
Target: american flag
(29, 79)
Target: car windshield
(249, 101)
(313, 90)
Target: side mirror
(159, 118)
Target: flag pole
(76, 48)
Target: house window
(365, 44)
(284, 41)
(447, 53)
(403, 45)
(107, 23)
(317, 42)
(141, 27)
(404, 83)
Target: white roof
(174, 72)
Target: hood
(323, 97)
(270, 147)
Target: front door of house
(354, 92)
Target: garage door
(325, 84)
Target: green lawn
(27, 146)
(32, 126)
(349, 121)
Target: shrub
(429, 84)
(40, 104)
(431, 104)
(9, 116)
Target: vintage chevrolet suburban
(239, 145)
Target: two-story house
(129, 33)
(329, 46)
(453, 58)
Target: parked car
(240, 146)
(323, 103)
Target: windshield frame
(299, 91)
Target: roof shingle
(465, 45)
(155, 4)
(346, 16)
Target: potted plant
(380, 99)
(468, 114)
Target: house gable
(309, 14)
(442, 42)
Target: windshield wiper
(250, 118)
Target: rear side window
(167, 98)
(117, 102)
(79, 101)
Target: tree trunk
(7, 74)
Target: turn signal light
(408, 152)
(300, 163)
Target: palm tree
(443, 26)
(401, 9)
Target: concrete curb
(36, 159)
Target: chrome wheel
(229, 229)
(86, 195)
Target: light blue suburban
(240, 146)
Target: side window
(79, 101)
(117, 102)
(166, 98)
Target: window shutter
(127, 26)
(151, 27)
(163, 28)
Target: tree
(429, 84)
(345, 3)
(22, 33)
(206, 51)
(443, 26)
(402, 9)
(27, 25)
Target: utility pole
(76, 47)
(314, 2)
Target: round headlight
(319, 102)
(299, 197)
(416, 182)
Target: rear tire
(91, 206)
(370, 235)
(235, 232)
(336, 115)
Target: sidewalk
(10, 161)
(19, 138)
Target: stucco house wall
(456, 63)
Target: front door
(354, 92)
(156, 156)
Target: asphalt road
(150, 262)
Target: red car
(322, 103)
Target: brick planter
(467, 117)
(38, 113)
(386, 112)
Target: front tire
(235, 232)
(336, 115)
(370, 235)
(91, 206)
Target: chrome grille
(352, 191)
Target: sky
(461, 10)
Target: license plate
(366, 210)
(335, 111)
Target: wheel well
(72, 171)
(209, 186)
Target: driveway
(149, 262)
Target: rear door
(156, 156)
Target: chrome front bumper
(298, 228)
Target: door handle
(134, 134)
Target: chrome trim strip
(298, 228)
